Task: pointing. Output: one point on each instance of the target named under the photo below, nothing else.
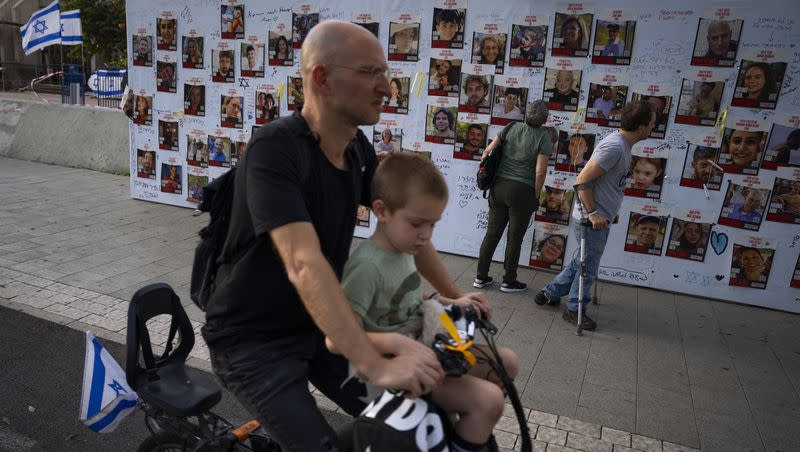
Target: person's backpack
(487, 170)
(217, 200)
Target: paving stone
(616, 436)
(618, 448)
(574, 425)
(536, 445)
(542, 418)
(508, 424)
(505, 439)
(672, 447)
(551, 435)
(645, 443)
(583, 442)
(557, 448)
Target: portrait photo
(699, 102)
(783, 147)
(166, 34)
(613, 42)
(688, 240)
(476, 93)
(528, 45)
(448, 28)
(489, 49)
(605, 104)
(166, 77)
(295, 89)
(145, 164)
(252, 60)
(403, 41)
(742, 151)
(645, 234)
(223, 66)
(573, 151)
(716, 42)
(301, 25)
(219, 151)
(142, 111)
(646, 178)
(571, 34)
(281, 52)
(194, 100)
(700, 168)
(758, 84)
(232, 21)
(142, 50)
(266, 106)
(661, 105)
(555, 205)
(440, 124)
(386, 141)
(784, 206)
(444, 76)
(796, 275)
(470, 140)
(230, 110)
(750, 266)
(562, 89)
(509, 104)
(167, 135)
(196, 151)
(549, 245)
(362, 216)
(192, 52)
(196, 183)
(743, 207)
(397, 102)
(171, 178)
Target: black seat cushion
(180, 390)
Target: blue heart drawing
(719, 242)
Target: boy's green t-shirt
(384, 288)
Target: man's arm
(491, 147)
(541, 172)
(590, 173)
(322, 296)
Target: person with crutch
(600, 188)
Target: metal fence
(15, 76)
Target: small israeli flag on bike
(71, 34)
(42, 29)
(106, 398)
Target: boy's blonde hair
(402, 175)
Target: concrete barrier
(76, 136)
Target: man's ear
(380, 209)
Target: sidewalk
(662, 372)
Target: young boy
(383, 286)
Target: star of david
(117, 387)
(39, 26)
(243, 82)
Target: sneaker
(542, 298)
(586, 321)
(512, 287)
(480, 283)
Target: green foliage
(103, 25)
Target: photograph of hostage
(278, 294)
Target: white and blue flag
(106, 398)
(71, 33)
(42, 29)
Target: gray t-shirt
(613, 154)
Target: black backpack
(487, 170)
(217, 200)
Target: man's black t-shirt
(283, 178)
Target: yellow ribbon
(723, 115)
(462, 347)
(280, 90)
(419, 78)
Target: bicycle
(177, 399)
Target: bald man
(563, 92)
(719, 41)
(277, 291)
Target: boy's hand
(478, 301)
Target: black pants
(510, 203)
(270, 378)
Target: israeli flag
(42, 29)
(106, 398)
(71, 34)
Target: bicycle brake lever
(487, 325)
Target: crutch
(584, 223)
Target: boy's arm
(430, 267)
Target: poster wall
(716, 179)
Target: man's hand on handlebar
(415, 370)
